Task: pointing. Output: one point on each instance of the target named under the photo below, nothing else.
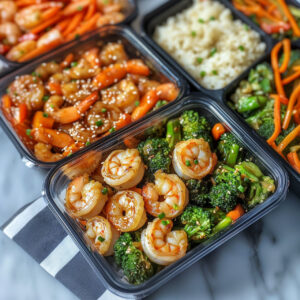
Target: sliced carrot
(6, 101)
(290, 107)
(124, 120)
(46, 24)
(293, 159)
(287, 55)
(74, 7)
(283, 100)
(50, 13)
(73, 24)
(288, 139)
(62, 25)
(274, 62)
(217, 131)
(67, 61)
(131, 142)
(91, 10)
(291, 78)
(54, 88)
(290, 17)
(39, 51)
(167, 91)
(136, 66)
(236, 213)
(277, 121)
(40, 119)
(23, 112)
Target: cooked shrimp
(49, 37)
(71, 113)
(9, 32)
(193, 159)
(83, 70)
(113, 53)
(125, 94)
(16, 52)
(123, 169)
(45, 70)
(27, 89)
(43, 153)
(110, 18)
(162, 245)
(125, 210)
(168, 195)
(85, 198)
(102, 234)
(8, 10)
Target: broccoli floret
(266, 129)
(197, 223)
(134, 263)
(228, 187)
(195, 127)
(198, 191)
(230, 150)
(155, 153)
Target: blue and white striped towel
(36, 230)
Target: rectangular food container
(59, 177)
(171, 8)
(133, 45)
(7, 66)
(294, 175)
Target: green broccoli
(228, 188)
(135, 264)
(266, 129)
(198, 191)
(230, 150)
(155, 153)
(195, 127)
(173, 135)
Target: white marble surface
(261, 263)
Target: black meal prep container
(58, 179)
(133, 45)
(7, 66)
(159, 15)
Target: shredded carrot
(46, 24)
(283, 100)
(293, 159)
(217, 131)
(274, 62)
(288, 139)
(290, 107)
(287, 55)
(277, 121)
(75, 21)
(291, 78)
(236, 213)
(67, 61)
(6, 101)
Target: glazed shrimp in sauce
(125, 210)
(162, 245)
(193, 159)
(102, 234)
(168, 195)
(84, 198)
(123, 169)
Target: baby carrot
(236, 213)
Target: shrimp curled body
(193, 159)
(162, 245)
(173, 191)
(123, 169)
(125, 210)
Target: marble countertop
(263, 262)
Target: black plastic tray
(57, 181)
(134, 46)
(9, 66)
(172, 7)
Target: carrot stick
(74, 7)
(67, 61)
(287, 55)
(73, 24)
(91, 10)
(22, 113)
(62, 25)
(291, 78)
(41, 119)
(124, 120)
(294, 160)
(39, 51)
(46, 24)
(6, 101)
(51, 12)
(283, 100)
(277, 121)
(290, 17)
(289, 111)
(236, 213)
(288, 139)
(55, 88)
(274, 62)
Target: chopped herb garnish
(105, 2)
(28, 132)
(104, 191)
(187, 163)
(214, 72)
(48, 28)
(74, 63)
(99, 123)
(202, 73)
(165, 222)
(137, 103)
(213, 51)
(51, 105)
(193, 33)
(113, 129)
(176, 206)
(7, 91)
(103, 110)
(196, 162)
(161, 215)
(199, 60)
(77, 36)
(45, 115)
(212, 18)
(70, 154)
(101, 239)
(246, 27)
(242, 48)
(45, 98)
(87, 143)
(34, 74)
(79, 8)
(201, 21)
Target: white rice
(188, 40)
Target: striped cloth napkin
(36, 230)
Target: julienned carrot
(67, 61)
(288, 139)
(291, 78)
(283, 100)
(290, 17)
(75, 21)
(55, 88)
(277, 121)
(275, 66)
(51, 12)
(6, 101)
(287, 55)
(293, 159)
(39, 51)
(290, 107)
(46, 24)
(217, 131)
(236, 213)
(40, 119)
(147, 103)
(91, 10)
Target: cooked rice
(191, 36)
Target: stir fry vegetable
(167, 192)
(268, 101)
